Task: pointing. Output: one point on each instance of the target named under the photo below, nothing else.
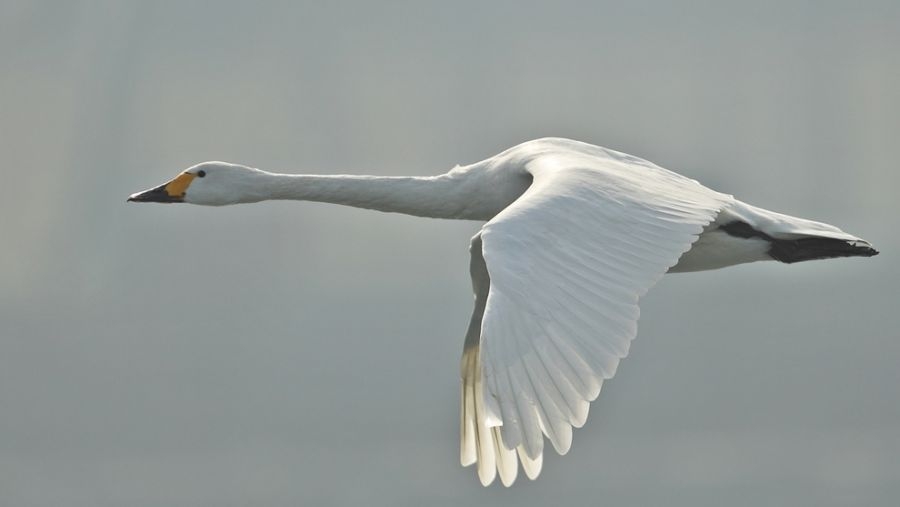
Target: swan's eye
(201, 173)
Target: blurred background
(305, 354)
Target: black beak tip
(158, 194)
(139, 197)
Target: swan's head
(209, 183)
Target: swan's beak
(172, 191)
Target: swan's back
(491, 185)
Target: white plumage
(575, 235)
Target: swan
(575, 234)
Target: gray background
(306, 354)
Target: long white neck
(438, 197)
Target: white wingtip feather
(507, 465)
(532, 467)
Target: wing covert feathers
(557, 276)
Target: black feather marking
(801, 249)
(811, 248)
(744, 230)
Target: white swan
(575, 235)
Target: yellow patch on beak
(179, 185)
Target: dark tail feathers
(814, 247)
(804, 248)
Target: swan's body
(575, 234)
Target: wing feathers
(557, 277)
(554, 410)
(507, 465)
(532, 467)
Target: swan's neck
(437, 197)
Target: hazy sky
(305, 354)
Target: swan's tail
(794, 239)
(817, 247)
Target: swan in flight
(575, 235)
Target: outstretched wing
(557, 276)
